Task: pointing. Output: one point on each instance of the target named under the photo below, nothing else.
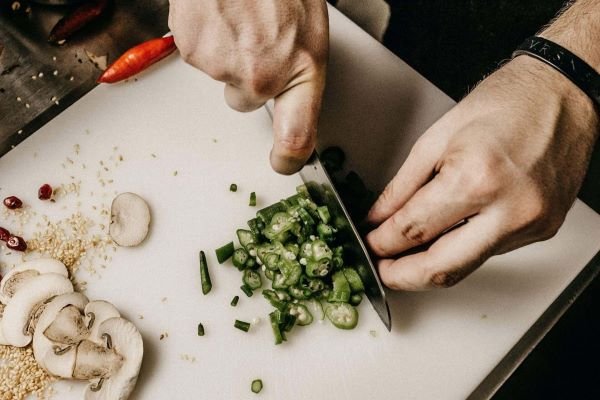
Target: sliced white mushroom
(21, 273)
(56, 358)
(23, 304)
(130, 219)
(96, 312)
(96, 361)
(125, 339)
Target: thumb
(295, 119)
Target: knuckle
(294, 142)
(411, 231)
(445, 279)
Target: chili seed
(16, 243)
(45, 192)
(13, 202)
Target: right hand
(262, 49)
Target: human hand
(262, 49)
(509, 159)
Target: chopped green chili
(356, 284)
(299, 246)
(252, 279)
(275, 326)
(256, 386)
(342, 315)
(224, 252)
(252, 202)
(240, 258)
(356, 299)
(341, 288)
(200, 330)
(234, 301)
(233, 187)
(241, 325)
(204, 275)
(247, 290)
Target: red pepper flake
(13, 202)
(45, 192)
(4, 234)
(16, 243)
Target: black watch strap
(561, 59)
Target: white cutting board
(443, 343)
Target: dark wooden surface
(455, 43)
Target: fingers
(243, 100)
(450, 259)
(434, 208)
(416, 171)
(295, 121)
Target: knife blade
(321, 188)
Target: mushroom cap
(130, 219)
(29, 296)
(43, 348)
(127, 342)
(21, 273)
(101, 310)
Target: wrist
(545, 84)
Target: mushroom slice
(20, 274)
(125, 339)
(68, 327)
(96, 312)
(96, 361)
(32, 294)
(56, 358)
(130, 219)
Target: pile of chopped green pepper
(298, 246)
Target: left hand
(509, 159)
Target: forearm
(577, 28)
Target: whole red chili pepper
(137, 59)
(77, 19)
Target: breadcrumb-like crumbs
(21, 376)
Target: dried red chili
(77, 19)
(16, 243)
(13, 202)
(45, 192)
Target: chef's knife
(321, 188)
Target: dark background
(455, 43)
